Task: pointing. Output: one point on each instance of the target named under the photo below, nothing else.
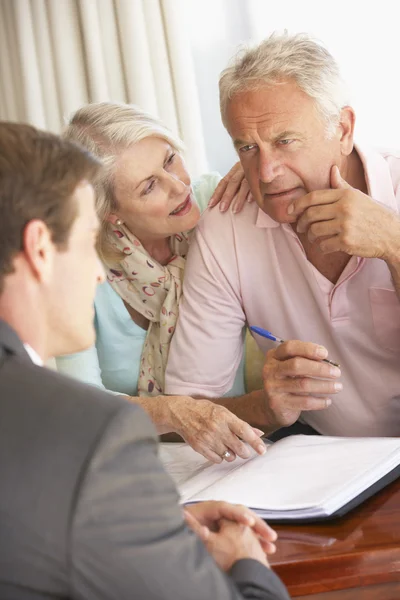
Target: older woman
(147, 205)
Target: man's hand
(294, 378)
(232, 188)
(211, 429)
(209, 514)
(205, 517)
(232, 542)
(347, 220)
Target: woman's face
(153, 192)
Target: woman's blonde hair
(106, 129)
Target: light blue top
(113, 362)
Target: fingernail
(321, 352)
(258, 431)
(249, 199)
(246, 453)
(250, 520)
(235, 210)
(261, 449)
(290, 209)
(335, 372)
(328, 402)
(222, 206)
(338, 386)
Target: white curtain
(56, 55)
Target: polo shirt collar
(378, 178)
(264, 220)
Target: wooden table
(355, 557)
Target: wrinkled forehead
(274, 108)
(138, 161)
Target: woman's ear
(347, 123)
(113, 219)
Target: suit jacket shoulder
(50, 426)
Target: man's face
(282, 144)
(76, 273)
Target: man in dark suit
(86, 509)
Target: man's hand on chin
(344, 219)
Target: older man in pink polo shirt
(316, 260)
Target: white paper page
(296, 472)
(310, 470)
(191, 472)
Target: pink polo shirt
(247, 268)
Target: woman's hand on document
(231, 532)
(212, 430)
(296, 378)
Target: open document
(299, 478)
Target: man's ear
(346, 128)
(38, 249)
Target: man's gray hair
(283, 57)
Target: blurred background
(166, 56)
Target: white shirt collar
(34, 356)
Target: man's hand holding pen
(297, 379)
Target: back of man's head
(285, 57)
(38, 175)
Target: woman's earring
(118, 222)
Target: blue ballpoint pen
(267, 334)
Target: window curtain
(56, 55)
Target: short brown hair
(39, 173)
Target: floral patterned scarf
(154, 291)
